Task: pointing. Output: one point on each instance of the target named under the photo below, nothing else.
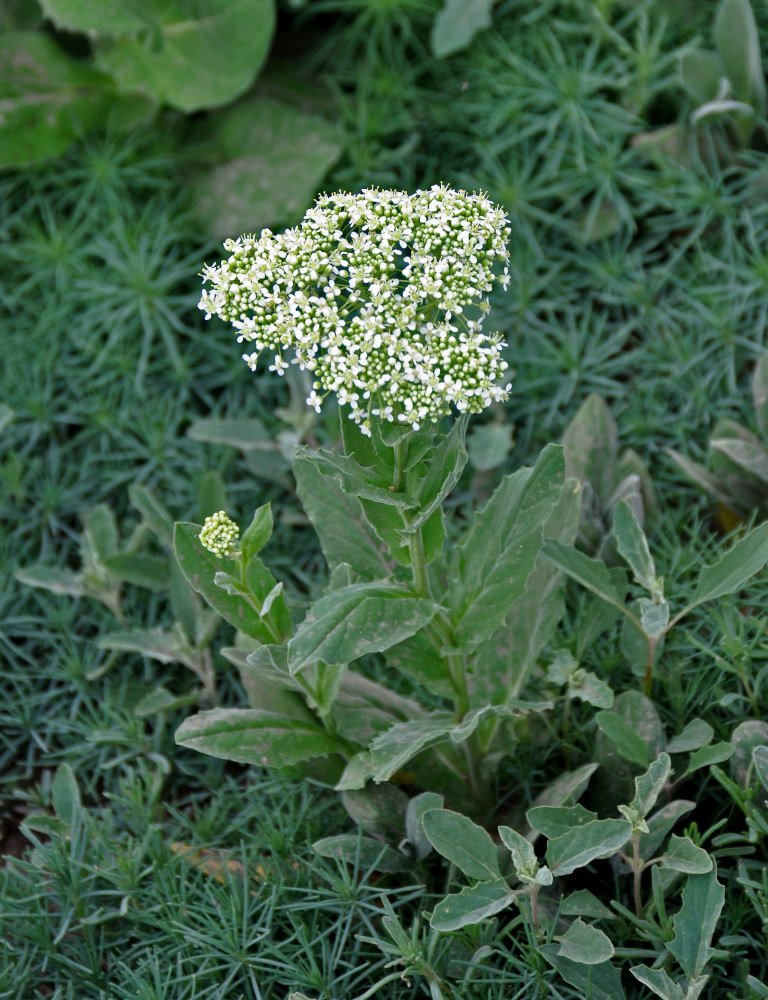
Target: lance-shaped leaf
(258, 532)
(471, 905)
(250, 736)
(731, 572)
(355, 479)
(623, 736)
(57, 581)
(344, 532)
(584, 844)
(357, 620)
(598, 982)
(363, 709)
(462, 842)
(590, 573)
(738, 45)
(555, 821)
(696, 734)
(151, 572)
(703, 899)
(444, 466)
(633, 546)
(585, 944)
(660, 823)
(153, 513)
(493, 564)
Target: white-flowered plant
(220, 534)
(381, 295)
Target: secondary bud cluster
(381, 295)
(220, 534)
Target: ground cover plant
(636, 273)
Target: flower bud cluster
(381, 295)
(220, 534)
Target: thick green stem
(637, 871)
(649, 666)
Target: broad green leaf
(590, 688)
(414, 828)
(590, 573)
(393, 749)
(760, 393)
(523, 855)
(738, 45)
(345, 534)
(633, 546)
(444, 467)
(463, 843)
(363, 709)
(582, 845)
(362, 852)
(418, 658)
(354, 479)
(745, 558)
(760, 761)
(379, 809)
(682, 855)
(654, 617)
(567, 788)
(387, 523)
(745, 737)
(457, 23)
(590, 443)
(701, 73)
(241, 190)
(199, 567)
(153, 513)
(585, 944)
(660, 823)
(151, 572)
(100, 534)
(156, 643)
(716, 753)
(192, 58)
(250, 736)
(703, 477)
(491, 567)
(48, 99)
(197, 620)
(694, 924)
(749, 456)
(504, 661)
(57, 581)
(65, 795)
(696, 734)
(650, 785)
(211, 495)
(488, 446)
(555, 821)
(623, 736)
(598, 982)
(258, 532)
(114, 17)
(658, 981)
(354, 621)
(583, 903)
(471, 905)
(160, 699)
(245, 433)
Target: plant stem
(637, 871)
(649, 666)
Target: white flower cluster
(220, 534)
(381, 295)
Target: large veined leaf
(356, 620)
(494, 562)
(194, 54)
(250, 736)
(47, 99)
(271, 161)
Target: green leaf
(444, 468)
(357, 620)
(696, 734)
(555, 821)
(156, 643)
(363, 709)
(738, 45)
(590, 573)
(598, 982)
(583, 903)
(633, 546)
(745, 737)
(245, 433)
(760, 761)
(151, 572)
(749, 455)
(694, 924)
(211, 495)
(100, 535)
(700, 73)
(623, 736)
(65, 795)
(590, 443)
(200, 567)
(418, 658)
(491, 567)
(153, 514)
(258, 532)
(706, 756)
(414, 828)
(590, 688)
(650, 785)
(582, 845)
(658, 981)
(160, 699)
(523, 855)
(344, 532)
(471, 905)
(192, 62)
(362, 853)
(241, 190)
(585, 944)
(731, 572)
(488, 446)
(250, 736)
(457, 23)
(660, 823)
(760, 393)
(463, 843)
(355, 479)
(108, 16)
(682, 855)
(7, 416)
(48, 99)
(57, 581)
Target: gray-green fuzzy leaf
(585, 944)
(471, 905)
(658, 981)
(362, 852)
(598, 982)
(464, 843)
(457, 23)
(584, 844)
(745, 558)
(694, 924)
(682, 855)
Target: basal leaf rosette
(381, 295)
